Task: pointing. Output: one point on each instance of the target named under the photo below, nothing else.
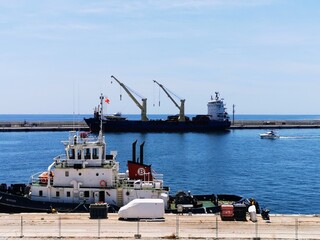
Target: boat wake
(299, 137)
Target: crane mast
(143, 107)
(182, 117)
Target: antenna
(233, 111)
(101, 117)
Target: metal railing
(171, 227)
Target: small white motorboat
(269, 135)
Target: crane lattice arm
(182, 117)
(143, 107)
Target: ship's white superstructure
(216, 109)
(84, 174)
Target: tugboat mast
(100, 138)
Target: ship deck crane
(182, 116)
(143, 107)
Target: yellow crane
(182, 117)
(143, 107)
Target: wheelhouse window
(87, 154)
(79, 154)
(68, 194)
(66, 173)
(95, 153)
(40, 193)
(57, 194)
(71, 154)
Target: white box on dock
(142, 209)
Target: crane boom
(143, 107)
(182, 117)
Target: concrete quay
(42, 126)
(70, 125)
(201, 226)
(274, 124)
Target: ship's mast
(143, 107)
(100, 138)
(217, 96)
(182, 117)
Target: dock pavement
(25, 126)
(201, 226)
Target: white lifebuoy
(43, 180)
(103, 183)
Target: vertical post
(217, 227)
(21, 227)
(99, 222)
(296, 228)
(256, 227)
(233, 111)
(138, 235)
(177, 225)
(59, 222)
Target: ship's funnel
(141, 153)
(134, 151)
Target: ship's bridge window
(57, 194)
(68, 194)
(79, 154)
(71, 154)
(95, 153)
(87, 154)
(40, 193)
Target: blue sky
(261, 55)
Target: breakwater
(15, 126)
(18, 126)
(274, 124)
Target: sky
(57, 56)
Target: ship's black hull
(156, 126)
(11, 203)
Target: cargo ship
(216, 118)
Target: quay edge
(6, 126)
(274, 124)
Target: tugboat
(84, 175)
(216, 119)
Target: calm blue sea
(282, 174)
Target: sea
(281, 174)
